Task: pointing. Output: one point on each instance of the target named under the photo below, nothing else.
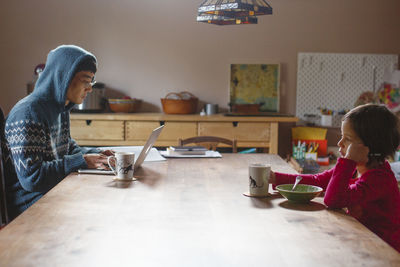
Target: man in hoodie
(39, 151)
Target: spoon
(298, 179)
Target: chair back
(3, 203)
(209, 142)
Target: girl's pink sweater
(373, 199)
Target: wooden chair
(209, 142)
(3, 203)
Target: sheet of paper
(396, 169)
(209, 154)
(392, 77)
(153, 155)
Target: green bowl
(302, 194)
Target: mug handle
(109, 164)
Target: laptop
(138, 160)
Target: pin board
(335, 81)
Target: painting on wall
(255, 84)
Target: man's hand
(96, 161)
(107, 152)
(272, 179)
(357, 152)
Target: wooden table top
(185, 212)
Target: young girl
(370, 133)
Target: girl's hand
(357, 152)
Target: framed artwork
(255, 84)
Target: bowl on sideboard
(124, 105)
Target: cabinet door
(97, 130)
(140, 130)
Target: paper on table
(396, 169)
(208, 154)
(153, 155)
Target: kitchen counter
(175, 117)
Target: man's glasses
(87, 84)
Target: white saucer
(247, 194)
(123, 180)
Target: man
(39, 150)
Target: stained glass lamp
(228, 12)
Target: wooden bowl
(246, 108)
(124, 105)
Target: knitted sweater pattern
(30, 141)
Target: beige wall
(147, 48)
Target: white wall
(147, 48)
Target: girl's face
(348, 137)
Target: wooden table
(185, 212)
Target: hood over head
(60, 69)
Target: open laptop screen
(146, 148)
(138, 159)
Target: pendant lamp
(228, 12)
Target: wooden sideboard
(113, 129)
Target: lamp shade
(228, 12)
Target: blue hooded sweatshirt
(39, 150)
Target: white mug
(259, 179)
(124, 164)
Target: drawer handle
(162, 123)
(235, 123)
(88, 122)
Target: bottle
(31, 85)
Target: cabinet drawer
(220, 129)
(243, 131)
(140, 130)
(251, 131)
(97, 130)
